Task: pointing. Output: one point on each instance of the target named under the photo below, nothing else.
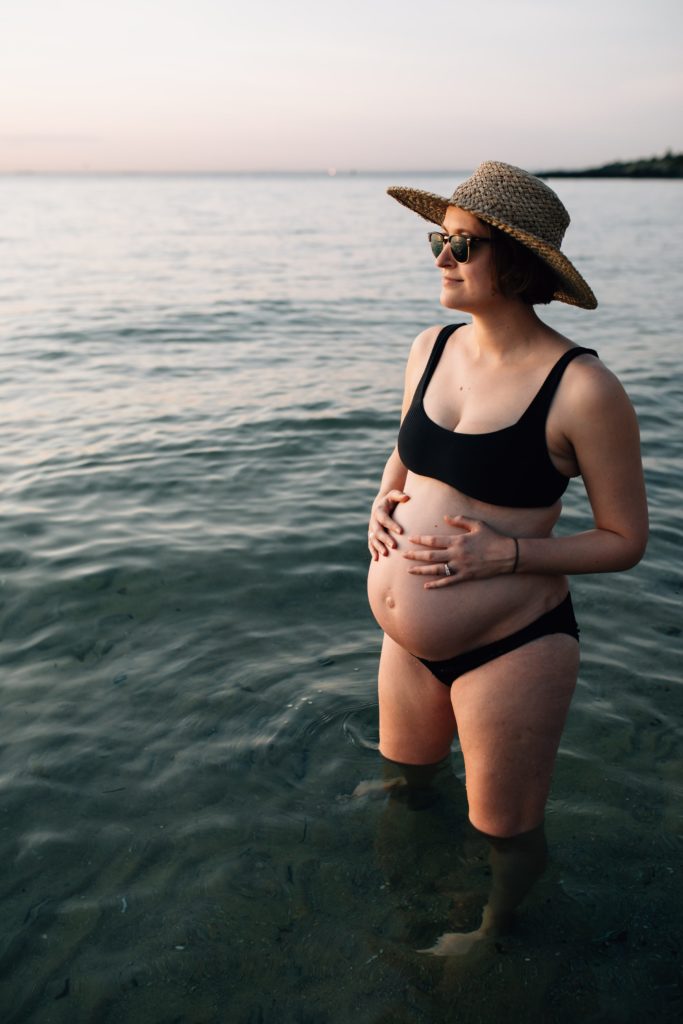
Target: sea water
(200, 380)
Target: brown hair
(518, 272)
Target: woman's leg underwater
(510, 714)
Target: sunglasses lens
(436, 242)
(459, 248)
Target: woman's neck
(506, 331)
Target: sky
(238, 85)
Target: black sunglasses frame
(437, 240)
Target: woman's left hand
(476, 553)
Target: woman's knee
(505, 808)
(414, 751)
(412, 784)
(504, 824)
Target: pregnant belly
(443, 622)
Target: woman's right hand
(381, 525)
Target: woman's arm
(391, 492)
(602, 429)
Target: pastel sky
(194, 85)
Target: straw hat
(521, 205)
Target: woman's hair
(518, 272)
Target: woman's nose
(445, 257)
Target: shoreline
(669, 166)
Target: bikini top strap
(435, 355)
(540, 406)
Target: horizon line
(325, 172)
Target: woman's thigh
(416, 723)
(510, 714)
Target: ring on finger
(446, 569)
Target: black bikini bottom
(558, 620)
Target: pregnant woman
(467, 579)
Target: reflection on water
(188, 661)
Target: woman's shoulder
(587, 368)
(419, 354)
(423, 344)
(424, 341)
(589, 385)
(580, 365)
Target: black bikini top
(509, 467)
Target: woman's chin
(450, 301)
(453, 297)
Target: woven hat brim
(571, 289)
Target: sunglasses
(460, 244)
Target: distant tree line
(670, 165)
